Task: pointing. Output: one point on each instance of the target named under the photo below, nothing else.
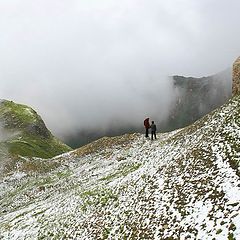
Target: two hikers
(152, 126)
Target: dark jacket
(153, 127)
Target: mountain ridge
(23, 132)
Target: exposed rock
(236, 77)
(39, 129)
(197, 97)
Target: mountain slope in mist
(198, 96)
(193, 98)
(184, 185)
(23, 132)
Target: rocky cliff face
(198, 97)
(236, 77)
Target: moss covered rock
(24, 133)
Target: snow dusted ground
(184, 185)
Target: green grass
(36, 146)
(97, 197)
(18, 113)
(123, 171)
(27, 133)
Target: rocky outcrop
(197, 97)
(25, 133)
(236, 77)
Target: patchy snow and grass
(184, 185)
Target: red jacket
(146, 123)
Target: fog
(87, 64)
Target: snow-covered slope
(184, 185)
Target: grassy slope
(185, 185)
(26, 133)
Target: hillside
(184, 185)
(23, 132)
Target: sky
(89, 63)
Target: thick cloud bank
(83, 64)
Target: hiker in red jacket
(147, 126)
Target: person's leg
(151, 135)
(155, 135)
(146, 134)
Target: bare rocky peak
(236, 77)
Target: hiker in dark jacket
(153, 130)
(147, 126)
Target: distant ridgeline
(23, 132)
(197, 97)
